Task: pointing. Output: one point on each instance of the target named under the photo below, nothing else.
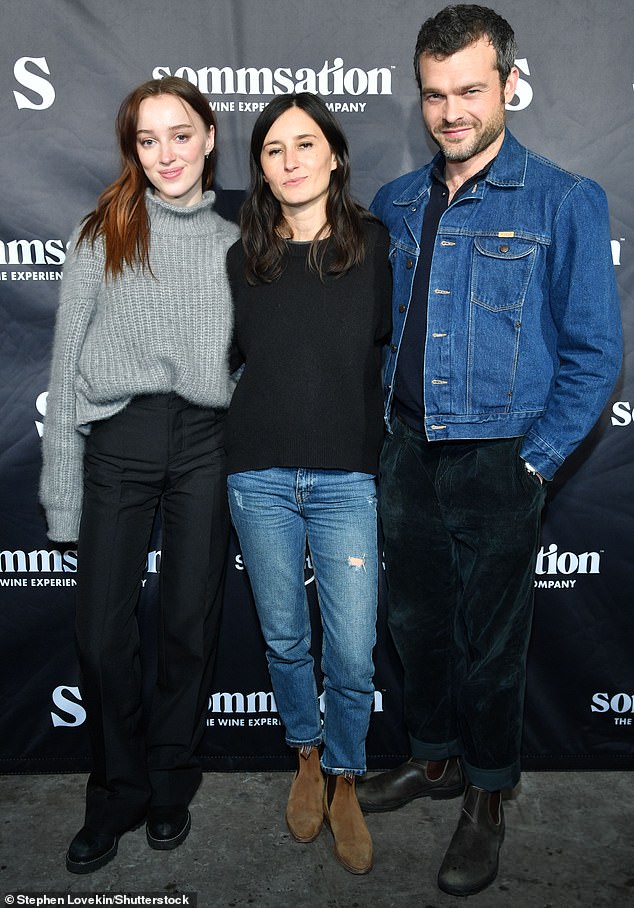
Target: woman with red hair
(135, 425)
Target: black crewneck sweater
(310, 394)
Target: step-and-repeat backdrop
(65, 65)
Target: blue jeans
(276, 512)
(461, 526)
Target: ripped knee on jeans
(356, 562)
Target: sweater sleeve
(61, 482)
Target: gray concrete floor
(569, 842)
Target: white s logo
(75, 712)
(34, 82)
(523, 90)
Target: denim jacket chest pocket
(501, 272)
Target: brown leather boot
(414, 779)
(305, 809)
(353, 845)
(471, 861)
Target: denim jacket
(523, 324)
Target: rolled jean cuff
(423, 750)
(493, 779)
(337, 771)
(313, 742)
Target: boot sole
(96, 864)
(303, 840)
(358, 871)
(89, 866)
(464, 891)
(169, 844)
(434, 795)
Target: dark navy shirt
(408, 382)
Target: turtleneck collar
(178, 219)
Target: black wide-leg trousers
(159, 453)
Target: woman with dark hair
(311, 285)
(137, 402)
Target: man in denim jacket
(506, 346)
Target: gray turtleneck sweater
(138, 333)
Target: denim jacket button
(409, 264)
(393, 348)
(402, 307)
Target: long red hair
(120, 216)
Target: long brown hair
(261, 215)
(120, 216)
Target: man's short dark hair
(457, 27)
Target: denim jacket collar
(508, 169)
